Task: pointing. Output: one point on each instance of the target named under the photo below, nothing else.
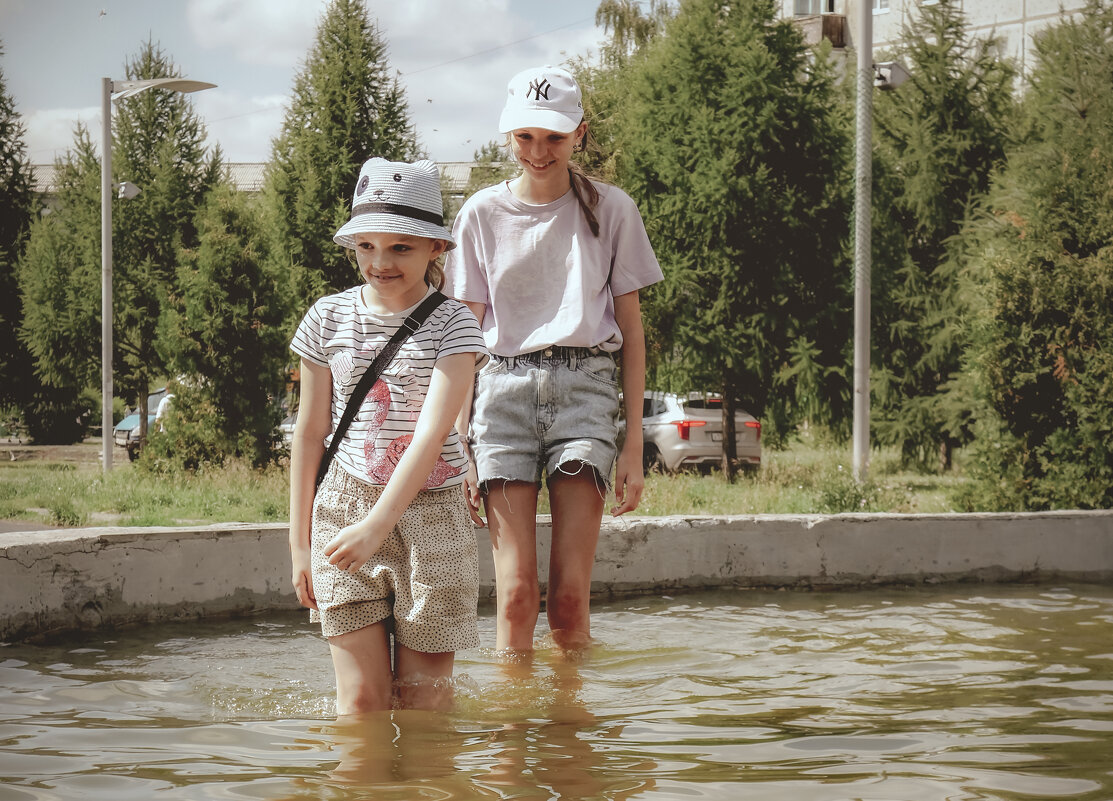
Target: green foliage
(1041, 286)
(804, 479)
(734, 143)
(190, 437)
(159, 146)
(60, 276)
(224, 329)
(130, 496)
(347, 106)
(631, 30)
(54, 416)
(939, 137)
(492, 164)
(16, 212)
(59, 283)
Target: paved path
(7, 526)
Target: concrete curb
(71, 579)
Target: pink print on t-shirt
(381, 464)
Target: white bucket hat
(542, 97)
(396, 197)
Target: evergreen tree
(491, 164)
(59, 285)
(16, 209)
(630, 29)
(939, 137)
(346, 107)
(157, 145)
(734, 146)
(1040, 284)
(224, 331)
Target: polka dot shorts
(425, 576)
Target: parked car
(126, 432)
(287, 427)
(687, 431)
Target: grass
(68, 495)
(808, 478)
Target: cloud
(243, 125)
(269, 32)
(456, 84)
(50, 132)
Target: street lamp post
(863, 177)
(120, 89)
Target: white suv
(687, 431)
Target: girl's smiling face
(394, 265)
(542, 152)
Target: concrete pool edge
(71, 579)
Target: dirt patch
(82, 453)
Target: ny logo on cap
(540, 90)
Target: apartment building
(1015, 22)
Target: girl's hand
(471, 493)
(303, 582)
(355, 544)
(629, 482)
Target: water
(988, 692)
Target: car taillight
(683, 427)
(754, 424)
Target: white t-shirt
(340, 332)
(545, 278)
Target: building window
(880, 6)
(807, 7)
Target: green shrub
(64, 513)
(188, 438)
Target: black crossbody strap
(371, 375)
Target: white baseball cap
(396, 197)
(542, 97)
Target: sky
(454, 58)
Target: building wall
(1014, 21)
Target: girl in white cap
(551, 263)
(384, 547)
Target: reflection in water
(954, 694)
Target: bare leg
(576, 501)
(364, 679)
(423, 679)
(512, 519)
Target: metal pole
(106, 274)
(863, 178)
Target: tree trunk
(143, 411)
(730, 448)
(946, 455)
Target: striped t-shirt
(340, 332)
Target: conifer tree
(158, 146)
(59, 285)
(1040, 285)
(491, 164)
(733, 145)
(939, 137)
(15, 217)
(224, 331)
(347, 106)
(630, 30)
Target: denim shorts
(540, 412)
